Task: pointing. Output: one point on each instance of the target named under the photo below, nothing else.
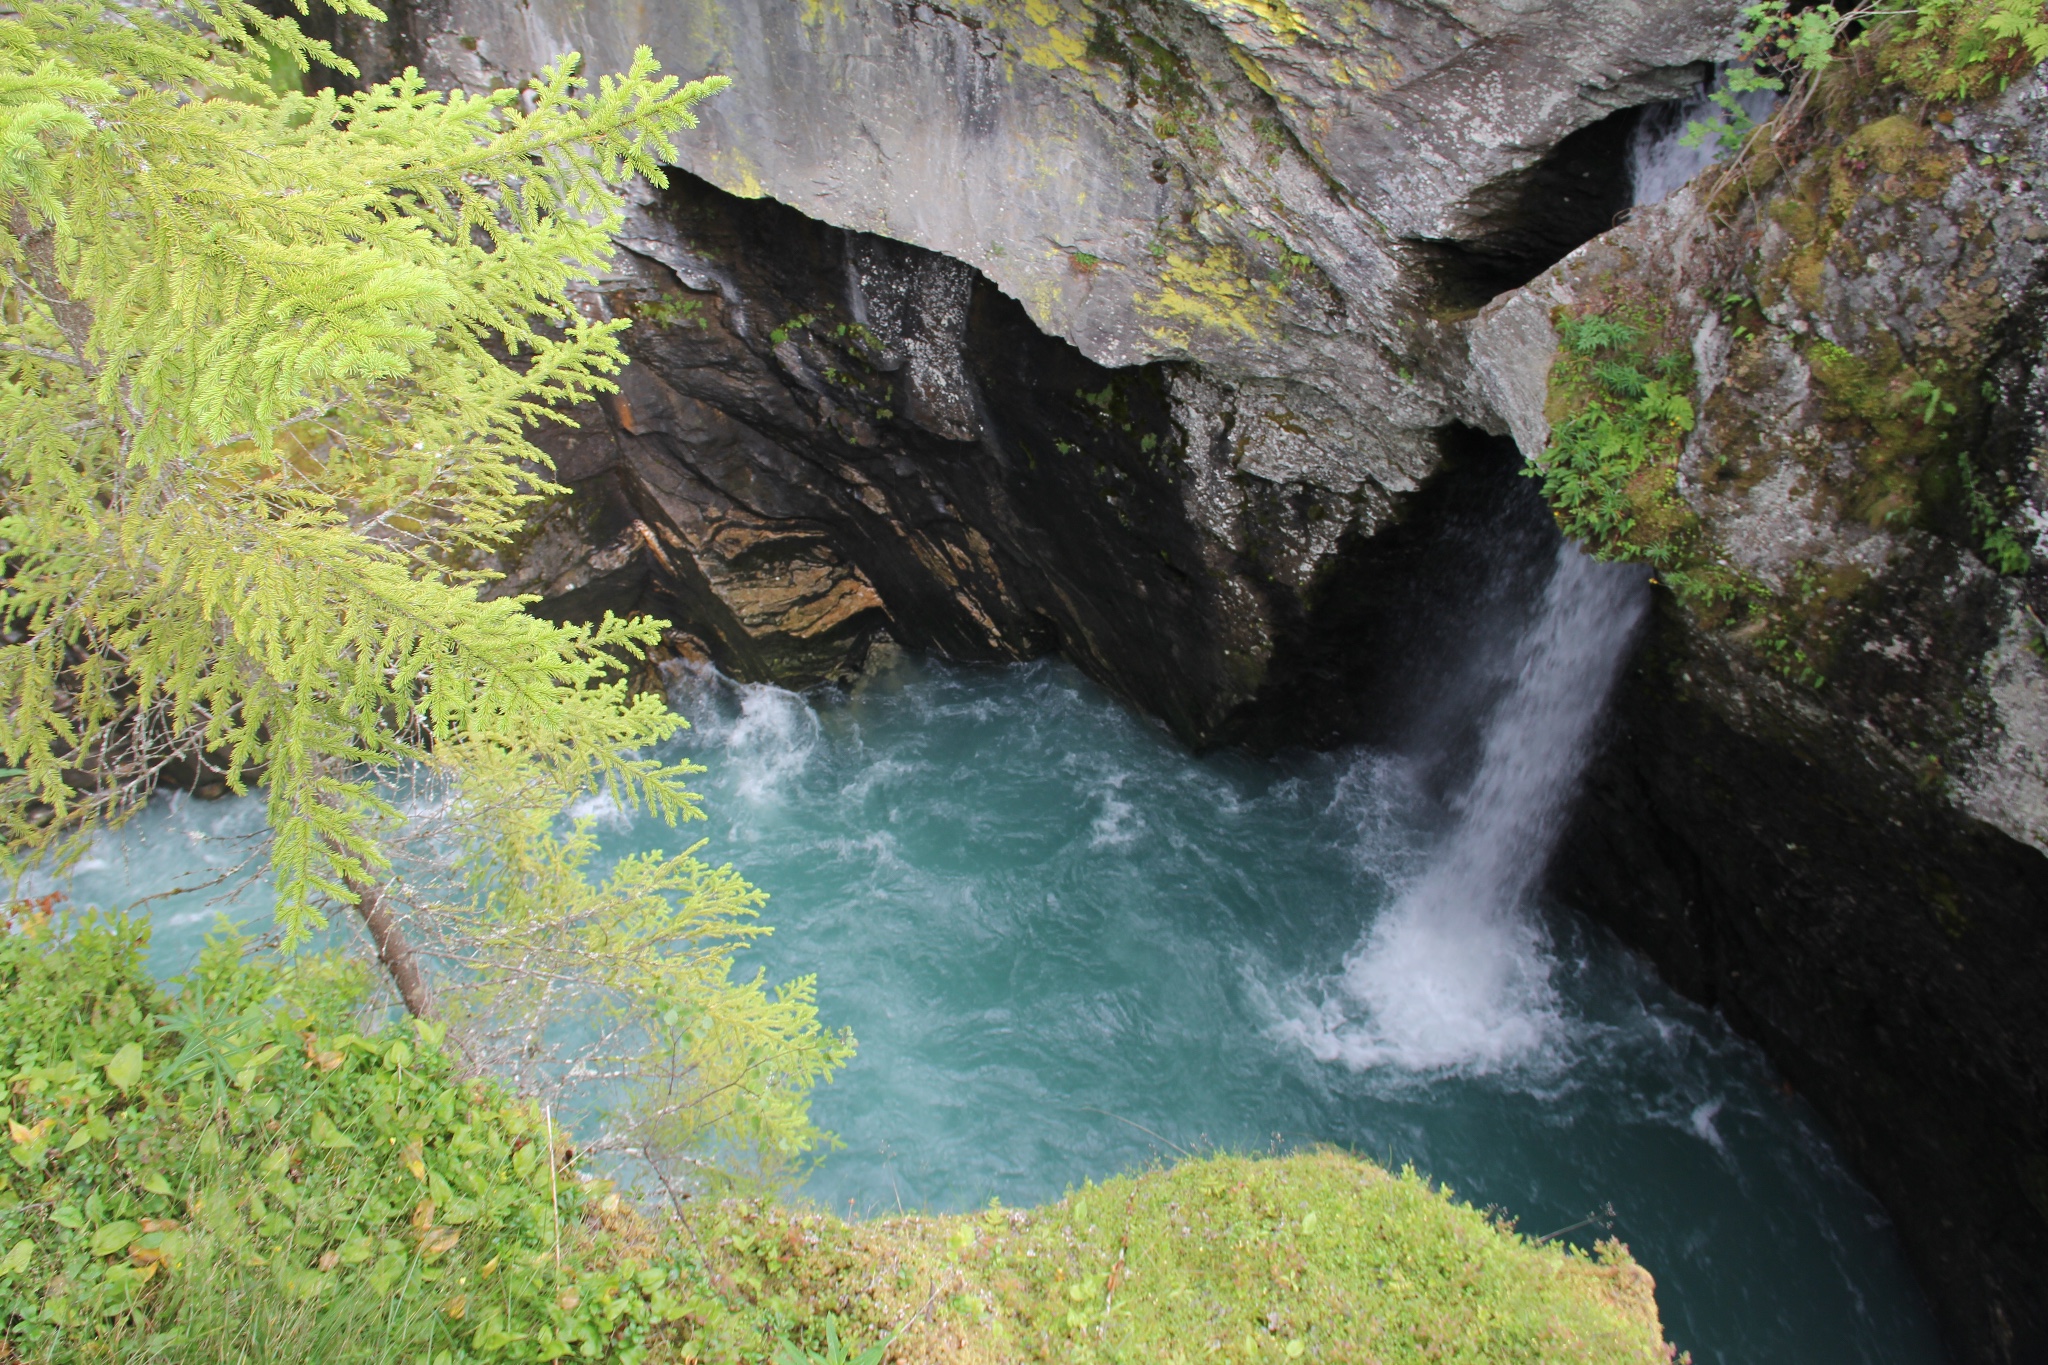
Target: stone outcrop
(1826, 814)
(1285, 205)
(826, 435)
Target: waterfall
(1659, 162)
(1456, 973)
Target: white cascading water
(1456, 973)
(1659, 162)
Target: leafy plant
(1609, 461)
(1943, 49)
(2021, 21)
(1936, 404)
(1781, 46)
(1958, 49)
(1591, 333)
(833, 1353)
(269, 368)
(673, 310)
(2002, 549)
(237, 1166)
(782, 333)
(1733, 129)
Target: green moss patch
(1620, 407)
(1317, 1257)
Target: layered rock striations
(828, 435)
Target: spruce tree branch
(42, 353)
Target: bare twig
(42, 353)
(1141, 1128)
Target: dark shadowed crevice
(1391, 646)
(827, 434)
(1527, 222)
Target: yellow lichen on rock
(1253, 71)
(813, 13)
(1053, 35)
(1213, 291)
(1281, 20)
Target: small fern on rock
(1612, 459)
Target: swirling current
(1068, 948)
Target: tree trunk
(394, 950)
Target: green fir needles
(269, 368)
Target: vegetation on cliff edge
(248, 1163)
(1621, 393)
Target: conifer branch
(269, 367)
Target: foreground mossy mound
(1317, 1256)
(240, 1166)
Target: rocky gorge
(1170, 335)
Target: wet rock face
(1294, 195)
(827, 435)
(1827, 818)
(1886, 950)
(1251, 231)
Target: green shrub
(235, 1168)
(1938, 49)
(271, 365)
(1620, 415)
(1961, 49)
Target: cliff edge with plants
(247, 1161)
(1810, 394)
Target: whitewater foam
(767, 733)
(1455, 975)
(1659, 162)
(601, 809)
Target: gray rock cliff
(1293, 196)
(1825, 811)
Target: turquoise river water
(1068, 948)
